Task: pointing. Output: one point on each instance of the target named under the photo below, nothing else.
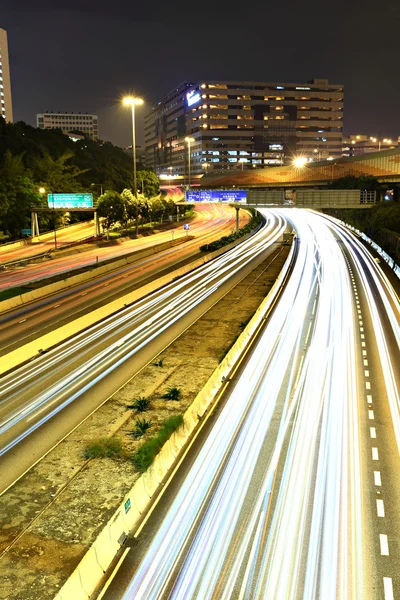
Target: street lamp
(300, 162)
(100, 185)
(132, 101)
(189, 140)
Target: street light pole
(189, 140)
(54, 223)
(130, 100)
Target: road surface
(294, 492)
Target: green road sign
(70, 200)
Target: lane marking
(375, 454)
(383, 540)
(366, 373)
(360, 317)
(84, 294)
(23, 321)
(368, 385)
(377, 478)
(363, 344)
(388, 588)
(370, 414)
(109, 580)
(313, 310)
(369, 399)
(365, 362)
(106, 284)
(308, 332)
(56, 306)
(361, 328)
(362, 336)
(372, 431)
(380, 508)
(364, 352)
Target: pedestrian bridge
(302, 198)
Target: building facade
(5, 82)
(240, 125)
(70, 122)
(355, 145)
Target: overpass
(384, 165)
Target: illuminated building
(5, 83)
(70, 122)
(243, 124)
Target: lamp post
(100, 185)
(189, 140)
(132, 101)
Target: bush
(141, 426)
(141, 404)
(228, 239)
(114, 235)
(159, 363)
(104, 448)
(143, 457)
(172, 393)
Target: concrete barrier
(147, 485)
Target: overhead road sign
(216, 196)
(70, 200)
(26, 231)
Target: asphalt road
(45, 399)
(293, 492)
(20, 326)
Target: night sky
(83, 55)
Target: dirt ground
(52, 515)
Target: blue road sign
(186, 227)
(26, 231)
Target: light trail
(274, 510)
(90, 356)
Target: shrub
(141, 426)
(141, 404)
(104, 448)
(143, 457)
(159, 363)
(227, 239)
(173, 393)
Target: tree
(351, 182)
(148, 182)
(111, 208)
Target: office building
(70, 122)
(242, 125)
(5, 82)
(355, 145)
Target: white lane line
(363, 344)
(369, 399)
(361, 328)
(360, 317)
(370, 414)
(368, 385)
(313, 308)
(56, 306)
(362, 336)
(299, 371)
(365, 362)
(366, 373)
(23, 321)
(375, 454)
(372, 432)
(105, 285)
(388, 588)
(308, 332)
(377, 478)
(384, 544)
(380, 508)
(364, 352)
(359, 311)
(107, 585)
(84, 294)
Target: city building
(70, 122)
(240, 125)
(354, 145)
(5, 82)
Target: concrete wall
(87, 576)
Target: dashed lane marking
(369, 398)
(383, 540)
(375, 454)
(377, 478)
(370, 414)
(380, 508)
(368, 385)
(372, 432)
(388, 588)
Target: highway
(26, 323)
(32, 396)
(209, 220)
(294, 491)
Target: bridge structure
(290, 179)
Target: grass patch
(143, 457)
(173, 393)
(104, 448)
